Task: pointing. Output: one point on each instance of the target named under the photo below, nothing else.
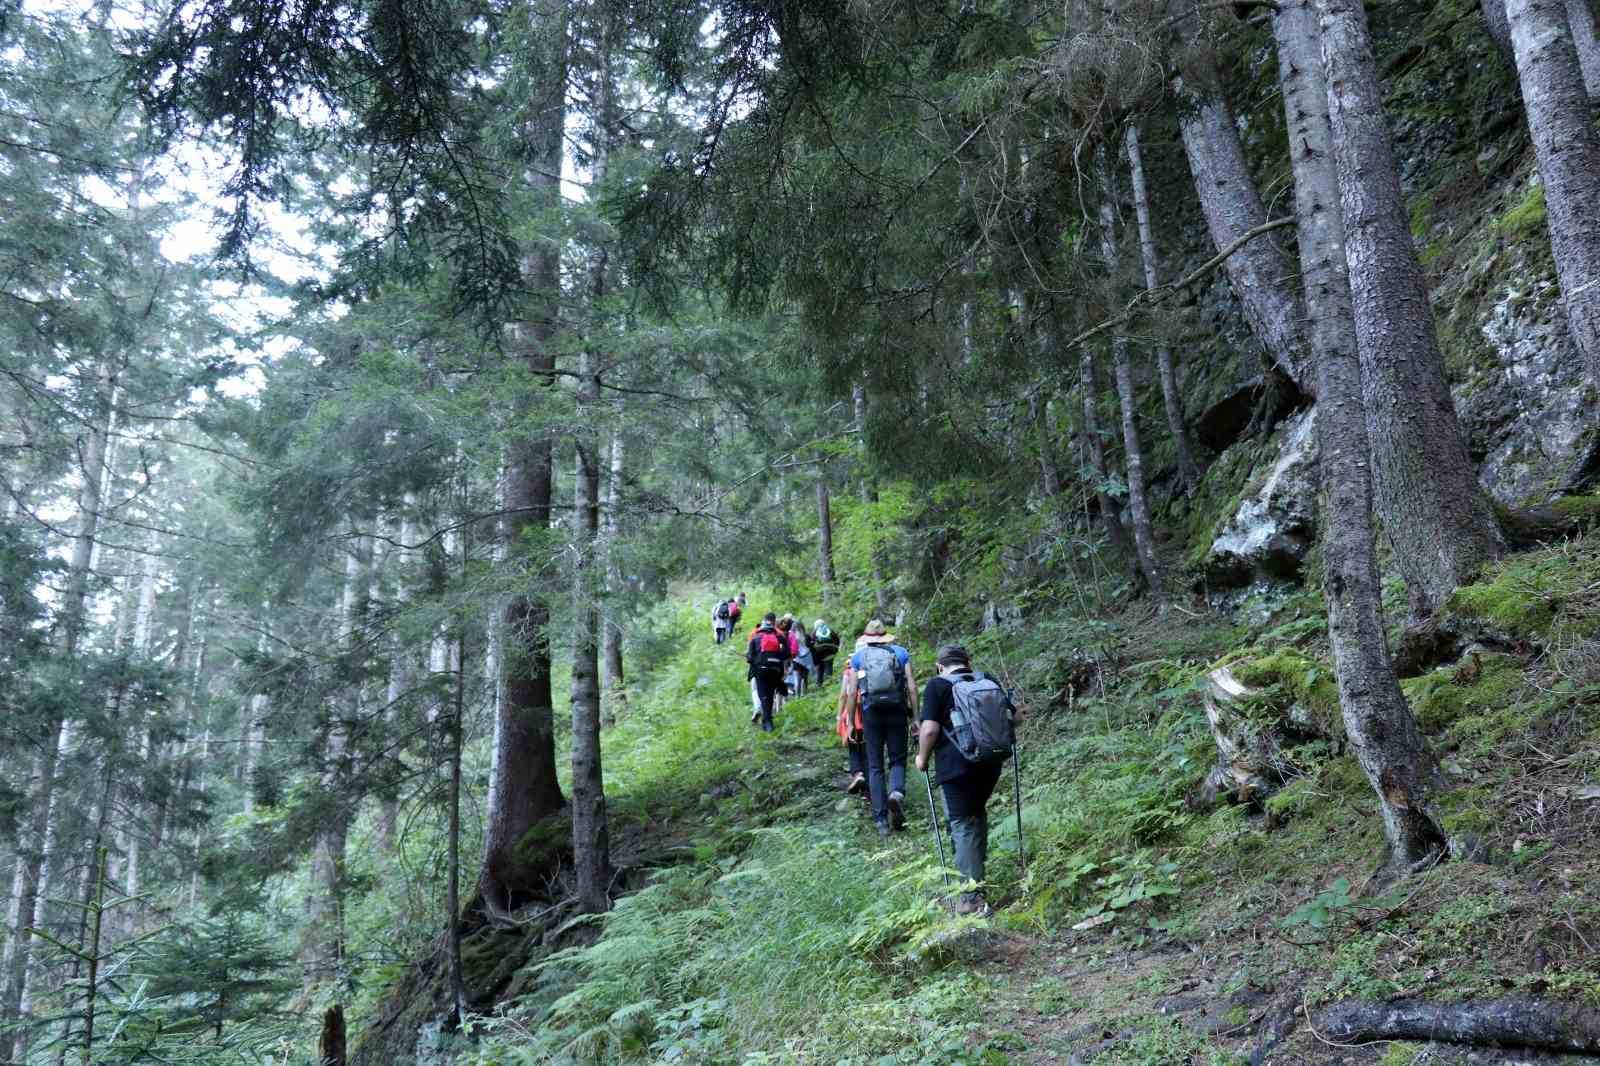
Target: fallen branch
(1533, 1023)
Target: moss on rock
(1476, 685)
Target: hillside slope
(770, 924)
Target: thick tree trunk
(1261, 271)
(1133, 449)
(616, 685)
(1568, 150)
(1427, 493)
(526, 787)
(1377, 720)
(1188, 473)
(824, 538)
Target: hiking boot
(897, 810)
(883, 829)
(973, 903)
(857, 785)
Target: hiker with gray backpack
(887, 693)
(967, 727)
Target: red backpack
(771, 650)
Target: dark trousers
(966, 800)
(722, 634)
(767, 685)
(885, 728)
(824, 671)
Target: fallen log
(1533, 1023)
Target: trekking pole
(1016, 785)
(938, 837)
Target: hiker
(801, 663)
(735, 609)
(887, 694)
(966, 782)
(851, 733)
(824, 646)
(767, 654)
(740, 600)
(721, 620)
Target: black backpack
(722, 611)
(980, 719)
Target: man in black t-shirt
(966, 785)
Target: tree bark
(1551, 1025)
(616, 686)
(1568, 150)
(526, 787)
(1133, 449)
(1172, 400)
(1260, 271)
(1427, 494)
(1377, 720)
(1586, 39)
(590, 836)
(824, 538)
(1499, 29)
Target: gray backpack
(882, 681)
(980, 720)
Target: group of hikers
(962, 736)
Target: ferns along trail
(606, 532)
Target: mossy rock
(1479, 684)
(1526, 218)
(1524, 596)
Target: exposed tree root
(1533, 1023)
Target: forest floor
(777, 927)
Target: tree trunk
(1110, 509)
(869, 496)
(1377, 720)
(616, 687)
(1495, 22)
(458, 989)
(402, 669)
(322, 944)
(1427, 493)
(1261, 272)
(824, 538)
(1133, 449)
(30, 882)
(526, 787)
(1586, 39)
(1188, 473)
(1568, 151)
(590, 839)
(591, 846)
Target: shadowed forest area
(391, 391)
